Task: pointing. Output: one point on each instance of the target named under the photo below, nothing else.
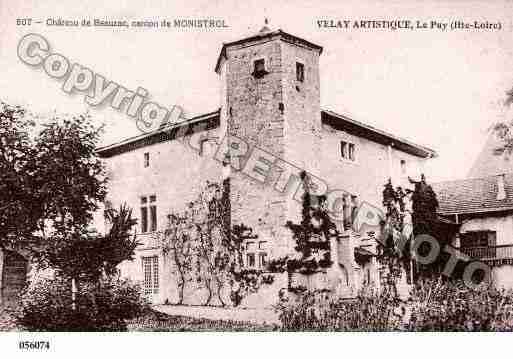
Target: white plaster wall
(502, 225)
(502, 277)
(368, 174)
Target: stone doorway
(14, 278)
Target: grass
(154, 321)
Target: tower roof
(265, 33)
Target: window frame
(260, 73)
(149, 213)
(151, 275)
(403, 167)
(491, 239)
(348, 151)
(300, 75)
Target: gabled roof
(347, 124)
(212, 120)
(475, 195)
(492, 160)
(167, 133)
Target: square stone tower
(270, 101)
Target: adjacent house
(483, 207)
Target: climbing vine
(207, 249)
(311, 236)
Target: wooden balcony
(494, 255)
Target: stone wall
(281, 117)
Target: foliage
(160, 322)
(50, 178)
(51, 182)
(504, 129)
(434, 305)
(207, 249)
(452, 306)
(87, 255)
(311, 235)
(19, 213)
(103, 306)
(319, 311)
(408, 214)
(424, 206)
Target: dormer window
(259, 68)
(300, 72)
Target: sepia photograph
(342, 167)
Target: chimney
(501, 191)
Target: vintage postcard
(262, 166)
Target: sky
(441, 89)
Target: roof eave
(377, 135)
(476, 211)
(261, 36)
(105, 150)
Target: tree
(51, 180)
(21, 213)
(88, 256)
(504, 129)
(398, 233)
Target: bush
(103, 306)
(438, 306)
(319, 311)
(433, 306)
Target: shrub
(446, 306)
(319, 311)
(102, 306)
(433, 306)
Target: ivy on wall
(311, 236)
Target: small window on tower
(300, 72)
(146, 159)
(259, 68)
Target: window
(478, 239)
(250, 259)
(348, 151)
(403, 167)
(208, 147)
(351, 152)
(262, 260)
(479, 244)
(259, 68)
(151, 275)
(144, 215)
(146, 159)
(256, 254)
(300, 72)
(148, 214)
